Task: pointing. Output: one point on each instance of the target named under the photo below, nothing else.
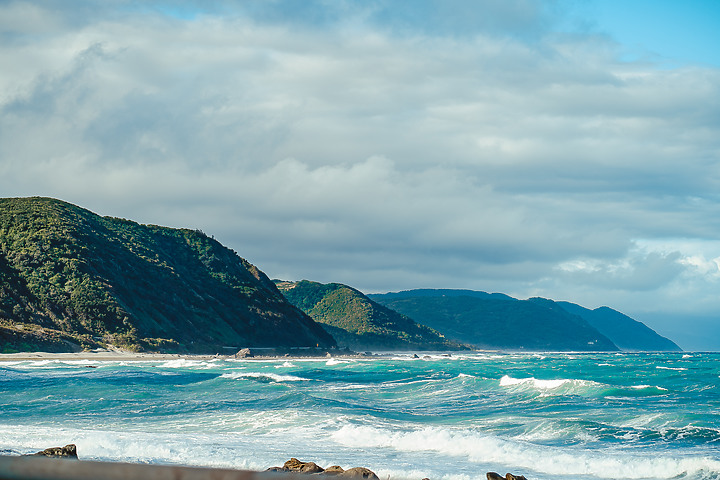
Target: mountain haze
(75, 279)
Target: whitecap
(333, 362)
(185, 363)
(267, 376)
(677, 369)
(286, 365)
(645, 387)
(507, 381)
(545, 460)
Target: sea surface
(547, 416)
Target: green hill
(498, 321)
(358, 322)
(70, 279)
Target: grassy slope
(67, 269)
(358, 322)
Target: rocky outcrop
(508, 476)
(296, 466)
(359, 472)
(334, 470)
(68, 451)
(244, 353)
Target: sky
(554, 148)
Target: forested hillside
(498, 321)
(360, 323)
(72, 279)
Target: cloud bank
(382, 145)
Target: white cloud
(364, 146)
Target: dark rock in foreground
(359, 472)
(296, 466)
(68, 451)
(508, 476)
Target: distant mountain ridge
(359, 323)
(72, 279)
(499, 321)
(625, 332)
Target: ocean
(546, 416)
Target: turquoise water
(547, 416)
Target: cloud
(371, 143)
(638, 272)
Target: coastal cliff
(71, 279)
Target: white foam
(184, 363)
(507, 381)
(645, 387)
(286, 365)
(480, 448)
(677, 369)
(269, 376)
(333, 362)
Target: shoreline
(101, 356)
(125, 356)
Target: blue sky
(678, 32)
(550, 148)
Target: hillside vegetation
(498, 321)
(358, 322)
(72, 279)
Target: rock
(295, 465)
(494, 476)
(68, 451)
(334, 470)
(359, 472)
(510, 476)
(244, 353)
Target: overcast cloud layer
(451, 145)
